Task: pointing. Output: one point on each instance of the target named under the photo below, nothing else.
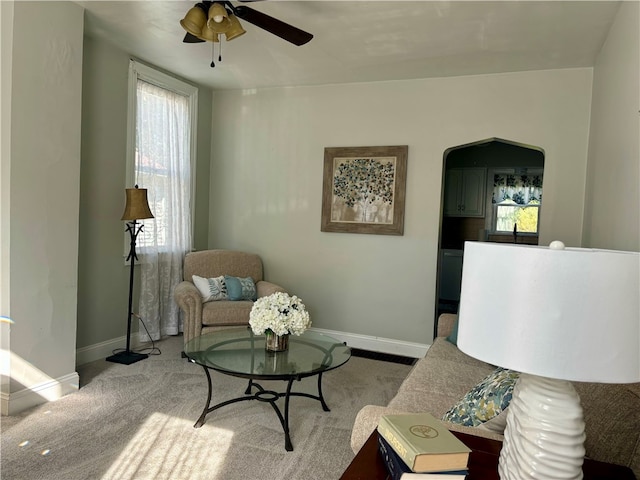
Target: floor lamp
(136, 208)
(557, 315)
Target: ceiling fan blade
(188, 38)
(273, 25)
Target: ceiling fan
(207, 20)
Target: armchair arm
(189, 300)
(265, 288)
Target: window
(161, 153)
(516, 201)
(523, 217)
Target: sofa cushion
(612, 422)
(240, 288)
(211, 289)
(485, 401)
(440, 379)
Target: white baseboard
(100, 350)
(12, 403)
(378, 344)
(365, 342)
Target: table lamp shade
(562, 313)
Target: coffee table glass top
(238, 351)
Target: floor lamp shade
(556, 315)
(137, 206)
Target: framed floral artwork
(363, 189)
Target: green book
(423, 443)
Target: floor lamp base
(127, 358)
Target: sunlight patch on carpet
(169, 445)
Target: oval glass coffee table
(240, 353)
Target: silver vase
(276, 343)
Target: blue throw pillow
(240, 288)
(453, 336)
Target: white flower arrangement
(280, 313)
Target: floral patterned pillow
(484, 401)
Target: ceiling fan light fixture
(217, 13)
(235, 30)
(221, 27)
(194, 21)
(209, 35)
(221, 17)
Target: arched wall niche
(494, 152)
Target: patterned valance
(517, 189)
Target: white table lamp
(556, 315)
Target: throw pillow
(496, 424)
(240, 288)
(485, 401)
(211, 288)
(453, 336)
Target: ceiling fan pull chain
(213, 54)
(220, 51)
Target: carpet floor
(136, 422)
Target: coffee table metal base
(268, 396)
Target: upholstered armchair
(202, 316)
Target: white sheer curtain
(163, 167)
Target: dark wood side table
(483, 462)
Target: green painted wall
(102, 273)
(42, 78)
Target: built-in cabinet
(464, 192)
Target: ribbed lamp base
(544, 438)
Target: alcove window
(161, 154)
(516, 200)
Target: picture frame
(363, 189)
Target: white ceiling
(363, 41)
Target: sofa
(201, 316)
(443, 377)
